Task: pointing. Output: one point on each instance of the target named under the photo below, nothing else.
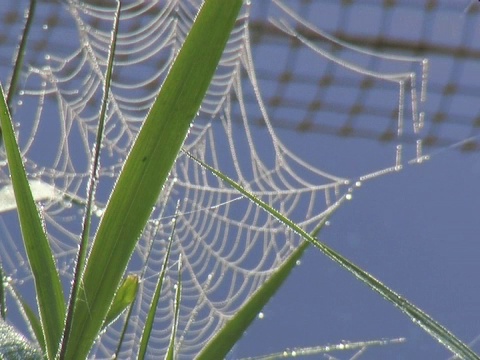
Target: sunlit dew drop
(45, 27)
(294, 353)
(348, 196)
(298, 262)
(358, 184)
(261, 315)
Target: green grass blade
(147, 167)
(219, 346)
(124, 298)
(17, 69)
(51, 303)
(142, 349)
(418, 316)
(317, 350)
(124, 331)
(92, 183)
(176, 307)
(31, 317)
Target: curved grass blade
(317, 350)
(142, 349)
(92, 183)
(124, 330)
(147, 167)
(176, 306)
(17, 69)
(124, 298)
(50, 300)
(31, 317)
(418, 316)
(220, 345)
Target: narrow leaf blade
(31, 317)
(147, 168)
(51, 303)
(418, 316)
(124, 298)
(147, 329)
(227, 337)
(176, 316)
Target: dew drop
(261, 315)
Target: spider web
(228, 245)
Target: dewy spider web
(229, 246)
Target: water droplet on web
(298, 262)
(349, 196)
(45, 27)
(261, 315)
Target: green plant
(99, 292)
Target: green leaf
(176, 315)
(317, 350)
(147, 167)
(32, 318)
(219, 346)
(51, 304)
(418, 316)
(124, 298)
(147, 329)
(92, 183)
